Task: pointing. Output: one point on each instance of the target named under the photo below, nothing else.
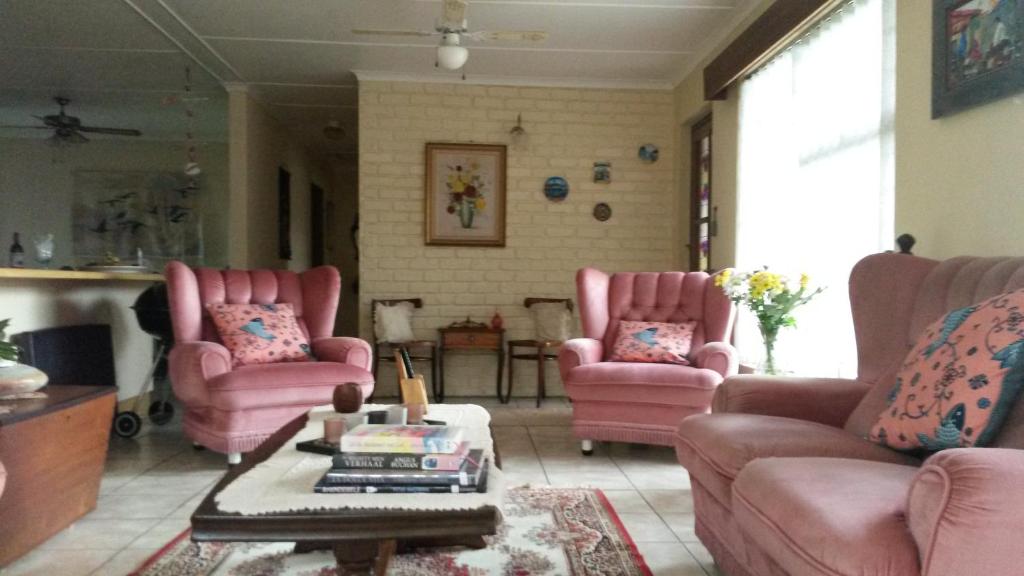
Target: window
(815, 181)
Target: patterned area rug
(547, 531)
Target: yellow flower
(804, 281)
(723, 277)
(480, 204)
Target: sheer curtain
(815, 181)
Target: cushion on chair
(599, 378)
(653, 342)
(552, 321)
(828, 516)
(260, 333)
(288, 384)
(959, 381)
(393, 323)
(714, 448)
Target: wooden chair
(419, 350)
(540, 350)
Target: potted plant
(8, 351)
(772, 298)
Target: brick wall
(568, 130)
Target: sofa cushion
(959, 381)
(714, 448)
(828, 516)
(653, 342)
(260, 333)
(288, 384)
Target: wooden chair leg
(511, 376)
(540, 375)
(433, 372)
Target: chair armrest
(344, 350)
(577, 352)
(191, 365)
(965, 510)
(718, 356)
(825, 400)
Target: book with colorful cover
(467, 475)
(393, 461)
(326, 487)
(402, 439)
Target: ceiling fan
(452, 28)
(68, 129)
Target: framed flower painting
(465, 194)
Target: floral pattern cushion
(959, 381)
(652, 342)
(260, 333)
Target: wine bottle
(16, 258)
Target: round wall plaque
(648, 153)
(602, 211)
(556, 188)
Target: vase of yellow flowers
(772, 298)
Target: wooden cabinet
(470, 338)
(54, 450)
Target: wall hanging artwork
(648, 153)
(977, 53)
(602, 212)
(121, 212)
(556, 188)
(602, 171)
(465, 196)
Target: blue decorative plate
(556, 188)
(648, 153)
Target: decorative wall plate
(602, 212)
(556, 188)
(648, 153)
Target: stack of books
(398, 459)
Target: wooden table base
(372, 557)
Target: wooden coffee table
(363, 540)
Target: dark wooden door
(701, 209)
(317, 226)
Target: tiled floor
(153, 483)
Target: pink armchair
(233, 410)
(641, 402)
(784, 482)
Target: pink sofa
(233, 410)
(642, 402)
(3, 478)
(784, 482)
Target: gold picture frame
(465, 194)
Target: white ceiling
(299, 57)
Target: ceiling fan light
(452, 57)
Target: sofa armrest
(825, 400)
(344, 350)
(965, 510)
(191, 365)
(718, 356)
(577, 352)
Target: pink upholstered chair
(785, 483)
(233, 410)
(643, 402)
(3, 478)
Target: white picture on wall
(118, 213)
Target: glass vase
(769, 336)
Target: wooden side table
(470, 336)
(54, 450)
